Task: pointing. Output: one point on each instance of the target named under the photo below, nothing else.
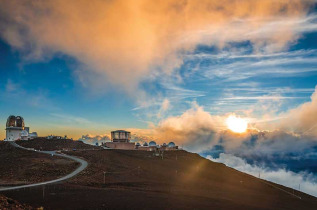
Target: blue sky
(222, 80)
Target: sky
(169, 71)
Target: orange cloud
(123, 42)
(303, 119)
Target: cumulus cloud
(195, 128)
(303, 119)
(200, 131)
(265, 143)
(123, 42)
(304, 180)
(93, 139)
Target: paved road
(83, 165)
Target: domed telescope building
(15, 129)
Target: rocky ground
(19, 166)
(117, 179)
(55, 144)
(8, 204)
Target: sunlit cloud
(122, 43)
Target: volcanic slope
(8, 203)
(42, 143)
(117, 179)
(19, 167)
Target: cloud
(265, 143)
(260, 97)
(93, 139)
(39, 98)
(66, 118)
(11, 86)
(198, 130)
(194, 129)
(121, 43)
(240, 63)
(164, 107)
(307, 182)
(303, 119)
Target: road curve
(83, 165)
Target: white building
(15, 129)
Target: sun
(237, 124)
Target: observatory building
(120, 139)
(152, 146)
(120, 136)
(15, 129)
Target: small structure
(171, 146)
(152, 144)
(56, 137)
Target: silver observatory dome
(171, 144)
(152, 143)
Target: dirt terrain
(19, 166)
(8, 203)
(117, 179)
(55, 144)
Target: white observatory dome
(152, 143)
(171, 144)
(24, 133)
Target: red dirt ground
(140, 180)
(42, 143)
(8, 203)
(18, 166)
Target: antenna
(104, 177)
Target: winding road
(83, 165)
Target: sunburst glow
(237, 124)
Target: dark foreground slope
(117, 179)
(19, 167)
(8, 203)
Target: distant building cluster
(120, 139)
(15, 129)
(152, 146)
(56, 137)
